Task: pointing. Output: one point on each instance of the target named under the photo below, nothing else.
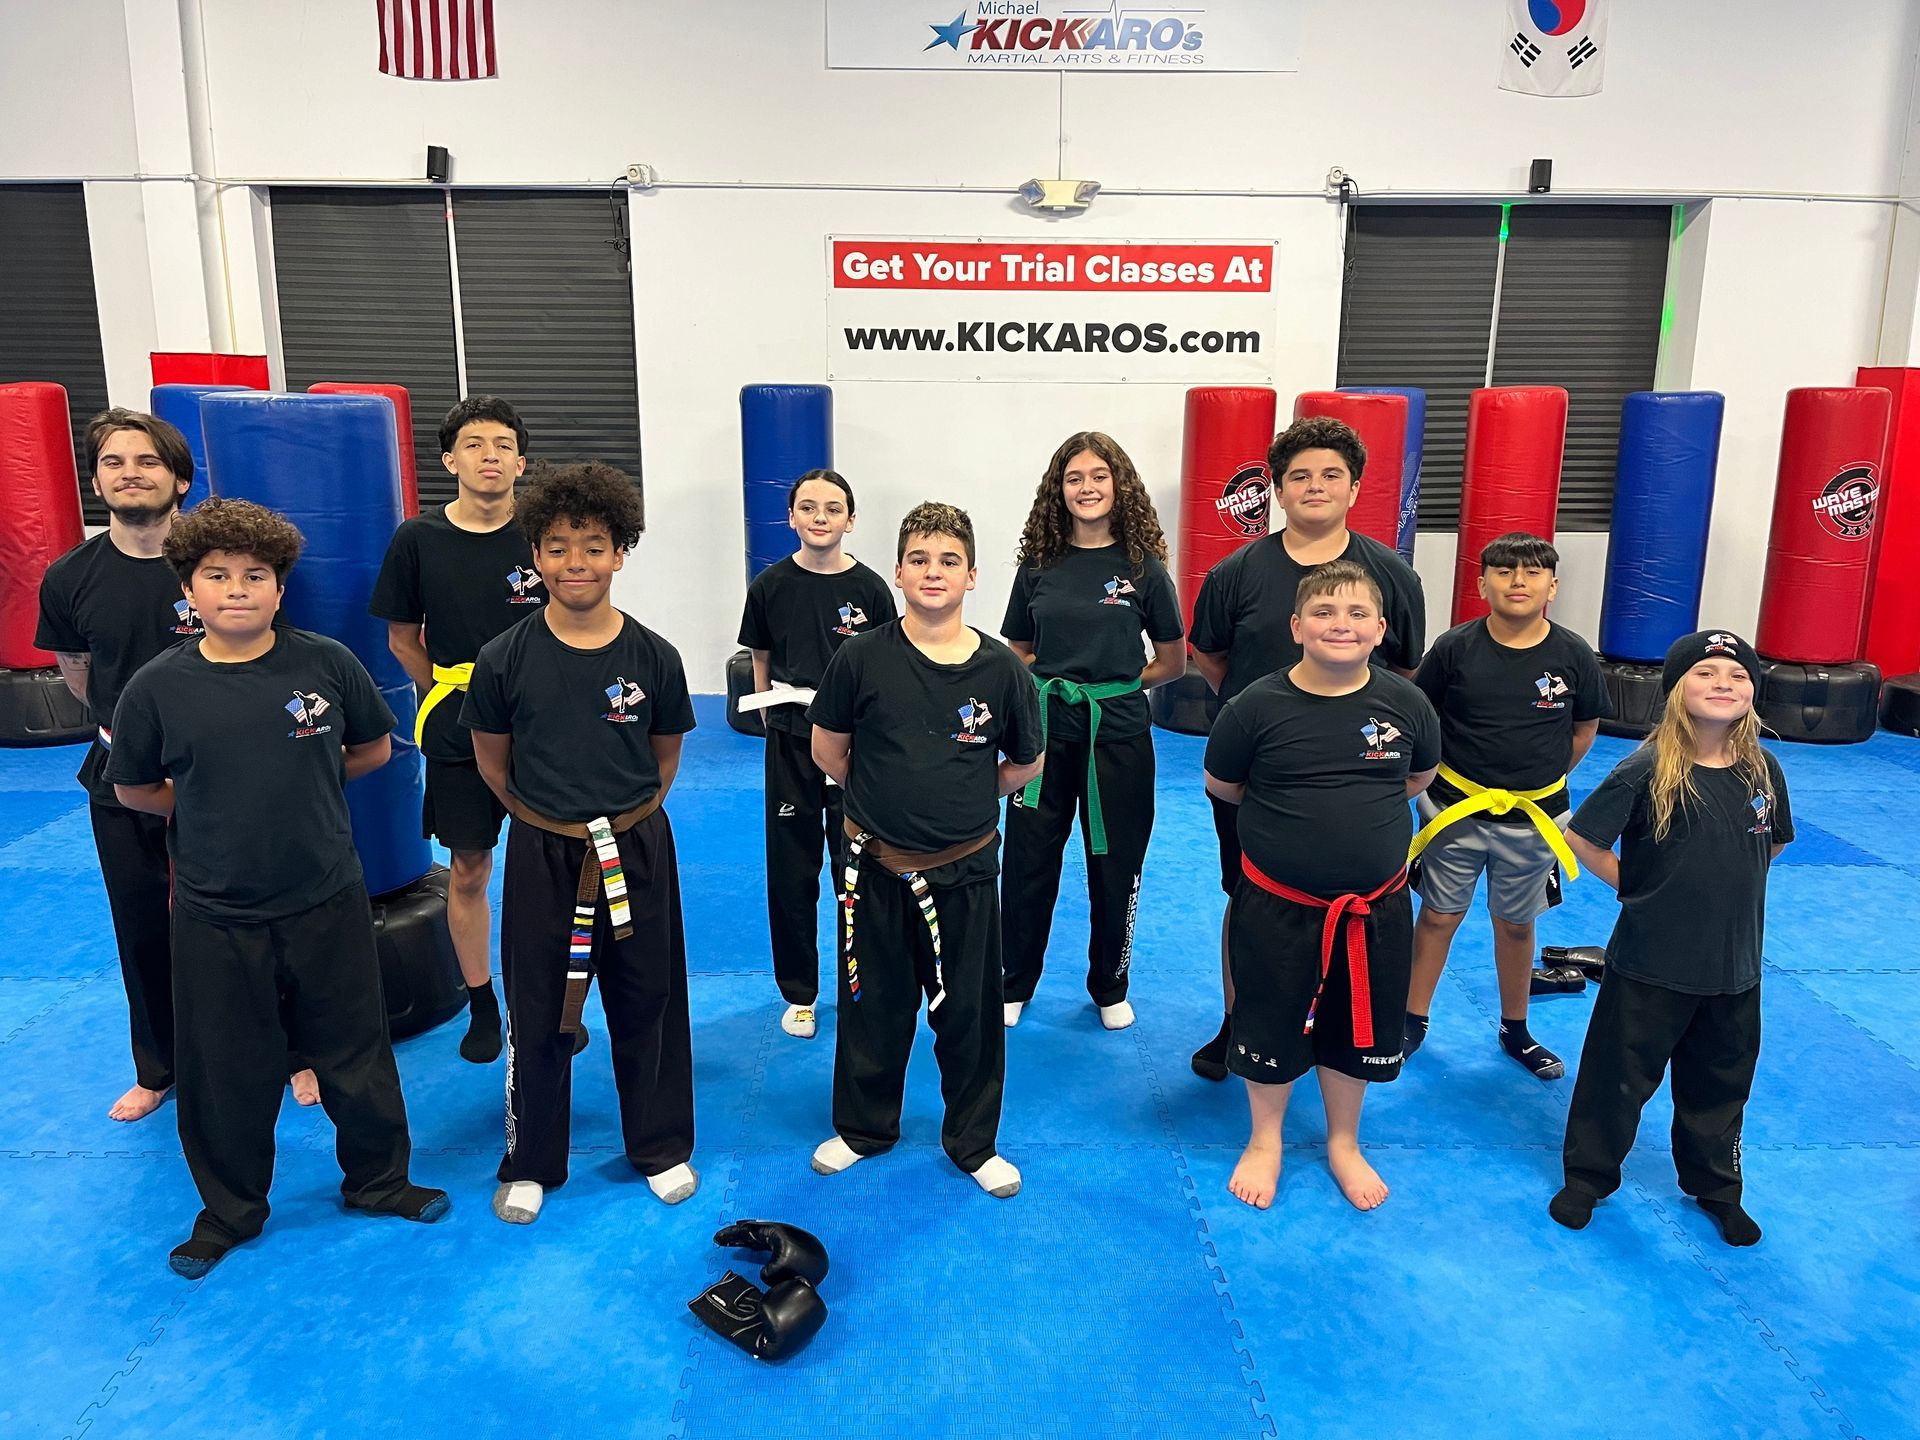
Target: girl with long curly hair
(1701, 813)
(1092, 583)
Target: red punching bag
(1515, 438)
(39, 510)
(1381, 423)
(402, 424)
(1225, 491)
(1893, 602)
(1820, 550)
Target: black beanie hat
(1689, 650)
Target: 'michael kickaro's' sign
(1096, 312)
(1054, 35)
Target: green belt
(1090, 696)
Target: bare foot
(1360, 1182)
(1257, 1175)
(137, 1103)
(306, 1087)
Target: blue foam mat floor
(1123, 1292)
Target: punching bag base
(739, 683)
(1900, 705)
(36, 708)
(1186, 705)
(1823, 704)
(418, 969)
(1638, 700)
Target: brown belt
(903, 862)
(599, 868)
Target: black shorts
(1226, 825)
(460, 811)
(1273, 946)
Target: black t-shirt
(260, 828)
(1245, 608)
(1693, 907)
(580, 719)
(801, 617)
(1084, 615)
(466, 587)
(1507, 715)
(97, 600)
(927, 736)
(1326, 776)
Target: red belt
(1339, 909)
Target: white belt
(781, 694)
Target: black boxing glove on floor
(796, 1253)
(773, 1325)
(1592, 959)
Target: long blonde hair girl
(1675, 744)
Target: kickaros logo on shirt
(852, 617)
(186, 619)
(1379, 734)
(521, 581)
(973, 715)
(306, 708)
(625, 697)
(1116, 588)
(1762, 815)
(1551, 688)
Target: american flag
(437, 39)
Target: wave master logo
(1379, 734)
(1243, 501)
(306, 708)
(1845, 506)
(973, 715)
(625, 697)
(1016, 32)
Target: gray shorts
(1523, 878)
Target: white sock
(798, 1021)
(1013, 1008)
(1116, 1017)
(675, 1185)
(518, 1201)
(835, 1155)
(998, 1178)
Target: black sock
(1414, 1035)
(580, 1038)
(1541, 1062)
(416, 1202)
(1736, 1226)
(1572, 1208)
(481, 1043)
(195, 1258)
(1210, 1060)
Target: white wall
(1705, 97)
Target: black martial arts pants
(876, 1032)
(798, 800)
(1036, 845)
(643, 987)
(242, 995)
(1713, 1042)
(139, 877)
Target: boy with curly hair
(578, 715)
(914, 719)
(273, 941)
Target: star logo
(951, 33)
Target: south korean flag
(1554, 47)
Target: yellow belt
(446, 680)
(1492, 801)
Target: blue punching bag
(785, 431)
(179, 406)
(1662, 503)
(1410, 462)
(331, 465)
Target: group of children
(893, 740)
